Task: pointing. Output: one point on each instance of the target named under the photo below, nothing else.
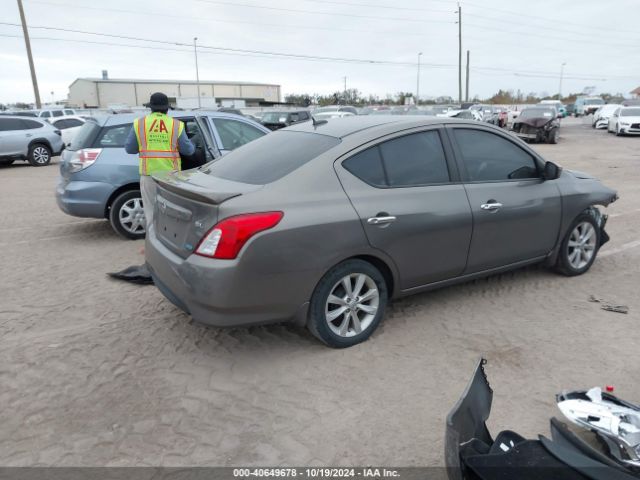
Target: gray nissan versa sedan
(322, 224)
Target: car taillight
(226, 239)
(84, 158)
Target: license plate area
(172, 222)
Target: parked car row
(98, 179)
(28, 138)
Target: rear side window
(492, 158)
(68, 112)
(84, 137)
(271, 157)
(45, 114)
(57, 113)
(113, 137)
(10, 124)
(31, 124)
(411, 160)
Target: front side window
(45, 114)
(491, 158)
(58, 113)
(68, 112)
(412, 160)
(234, 134)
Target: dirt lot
(96, 372)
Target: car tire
(553, 136)
(39, 155)
(127, 216)
(6, 163)
(582, 237)
(618, 132)
(340, 318)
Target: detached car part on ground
(99, 179)
(471, 453)
(537, 125)
(322, 225)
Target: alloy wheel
(41, 155)
(582, 245)
(352, 305)
(131, 216)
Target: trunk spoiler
(201, 187)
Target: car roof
(23, 117)
(345, 126)
(120, 118)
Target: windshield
(594, 101)
(326, 109)
(275, 117)
(630, 112)
(537, 112)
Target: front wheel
(127, 215)
(580, 246)
(348, 304)
(553, 136)
(618, 132)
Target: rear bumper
(222, 293)
(83, 199)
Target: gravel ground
(95, 372)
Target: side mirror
(551, 171)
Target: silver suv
(28, 139)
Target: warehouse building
(106, 92)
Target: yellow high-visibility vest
(157, 136)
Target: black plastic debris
(609, 307)
(135, 274)
(472, 454)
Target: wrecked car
(538, 124)
(471, 453)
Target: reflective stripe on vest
(157, 136)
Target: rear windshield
(271, 157)
(84, 137)
(275, 117)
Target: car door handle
(381, 220)
(29, 135)
(491, 206)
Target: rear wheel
(39, 155)
(127, 215)
(580, 246)
(348, 304)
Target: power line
(272, 54)
(209, 19)
(315, 12)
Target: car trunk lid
(187, 207)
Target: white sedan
(625, 121)
(69, 126)
(603, 114)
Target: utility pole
(195, 51)
(560, 87)
(459, 53)
(418, 81)
(466, 95)
(345, 90)
(34, 80)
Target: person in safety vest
(159, 140)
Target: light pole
(418, 81)
(560, 87)
(195, 52)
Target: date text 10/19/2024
(316, 472)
